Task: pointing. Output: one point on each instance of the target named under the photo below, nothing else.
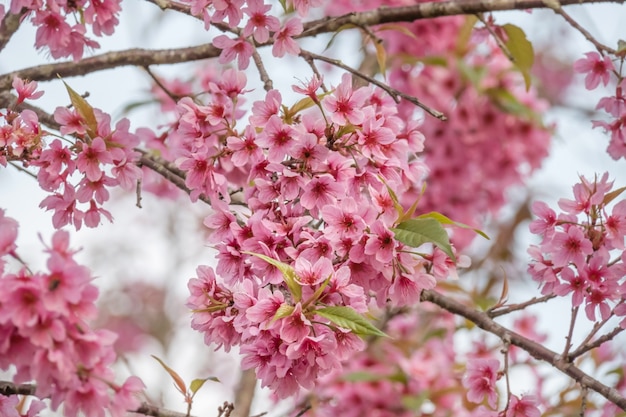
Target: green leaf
(465, 33)
(289, 275)
(196, 384)
(393, 196)
(347, 318)
(85, 110)
(507, 101)
(621, 48)
(283, 311)
(521, 50)
(416, 232)
(178, 381)
(443, 219)
(362, 376)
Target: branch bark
(145, 57)
(8, 26)
(536, 350)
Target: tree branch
(429, 10)
(536, 350)
(9, 388)
(145, 57)
(136, 57)
(9, 26)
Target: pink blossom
(8, 404)
(283, 39)
(26, 90)
(278, 137)
(263, 110)
(597, 68)
(313, 273)
(570, 246)
(547, 219)
(381, 243)
(53, 31)
(344, 105)
(8, 234)
(260, 23)
(480, 380)
(295, 327)
(92, 155)
(319, 192)
(526, 406)
(238, 48)
(228, 8)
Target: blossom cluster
(77, 171)
(314, 242)
(62, 25)
(582, 250)
(599, 69)
(46, 336)
(494, 137)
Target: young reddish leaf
(381, 57)
(521, 50)
(196, 384)
(85, 110)
(289, 275)
(416, 232)
(612, 195)
(396, 27)
(349, 319)
(465, 33)
(409, 213)
(504, 295)
(443, 219)
(180, 384)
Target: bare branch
(9, 26)
(520, 306)
(245, 394)
(9, 388)
(136, 57)
(429, 10)
(599, 46)
(395, 94)
(536, 350)
(586, 347)
(145, 57)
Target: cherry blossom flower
(260, 23)
(238, 48)
(26, 90)
(345, 104)
(283, 38)
(480, 380)
(526, 406)
(597, 68)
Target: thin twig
(395, 94)
(267, 81)
(556, 7)
(9, 388)
(586, 347)
(157, 81)
(521, 306)
(570, 333)
(9, 25)
(497, 38)
(535, 349)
